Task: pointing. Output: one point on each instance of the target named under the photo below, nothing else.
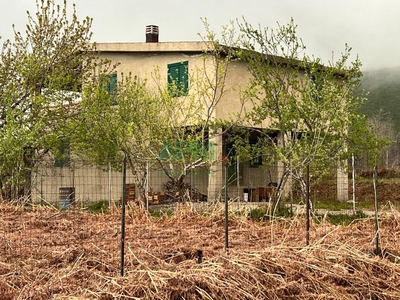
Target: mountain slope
(384, 93)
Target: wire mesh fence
(245, 186)
(245, 182)
(77, 212)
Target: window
(178, 79)
(316, 88)
(110, 85)
(62, 157)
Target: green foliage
(159, 213)
(41, 74)
(332, 204)
(263, 213)
(99, 207)
(175, 150)
(346, 219)
(160, 120)
(137, 127)
(310, 105)
(258, 214)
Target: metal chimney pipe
(151, 34)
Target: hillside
(384, 93)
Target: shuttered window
(316, 88)
(111, 86)
(178, 79)
(62, 156)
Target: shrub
(346, 219)
(98, 207)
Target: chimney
(151, 34)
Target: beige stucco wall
(146, 60)
(146, 65)
(233, 103)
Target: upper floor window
(316, 88)
(178, 78)
(108, 82)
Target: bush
(158, 213)
(263, 214)
(99, 207)
(382, 173)
(346, 219)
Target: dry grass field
(50, 254)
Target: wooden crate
(156, 197)
(129, 192)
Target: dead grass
(47, 254)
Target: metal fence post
(238, 179)
(353, 175)
(109, 184)
(123, 216)
(375, 179)
(147, 186)
(308, 205)
(191, 184)
(226, 208)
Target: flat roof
(152, 47)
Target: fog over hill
(383, 86)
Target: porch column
(342, 184)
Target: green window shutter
(172, 151)
(184, 77)
(175, 150)
(173, 73)
(112, 83)
(316, 88)
(63, 156)
(111, 87)
(165, 151)
(178, 78)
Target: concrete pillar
(342, 184)
(215, 177)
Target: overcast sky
(370, 27)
